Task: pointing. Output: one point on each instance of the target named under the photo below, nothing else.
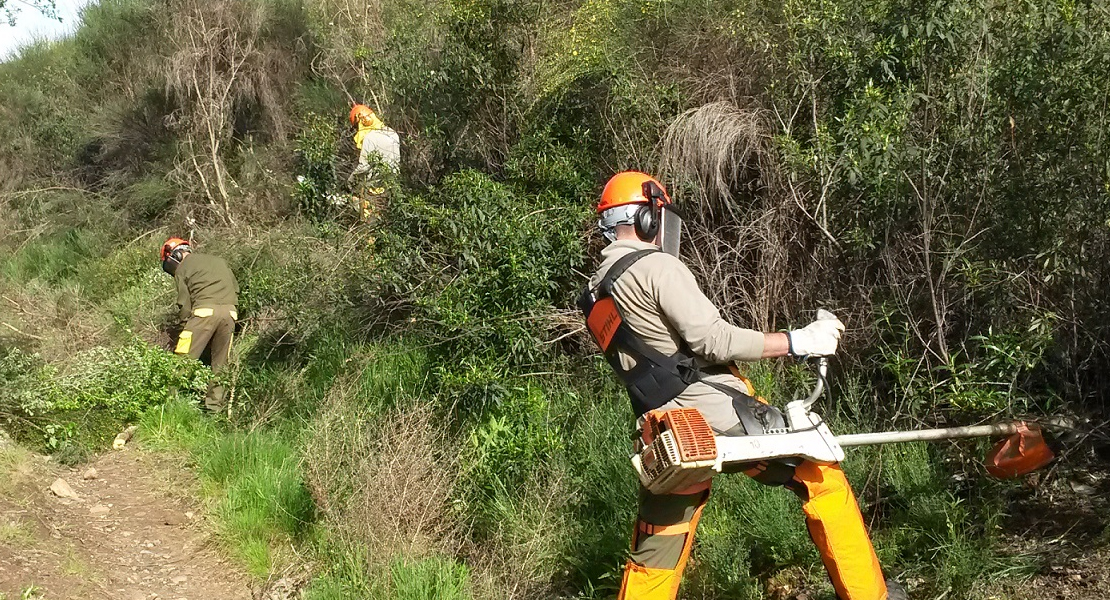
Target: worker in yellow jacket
(378, 147)
(672, 349)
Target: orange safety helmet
(360, 113)
(173, 244)
(628, 188)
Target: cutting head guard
(638, 199)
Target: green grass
(176, 426)
(432, 578)
(252, 482)
(15, 468)
(17, 533)
(51, 259)
(260, 497)
(429, 579)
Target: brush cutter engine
(677, 449)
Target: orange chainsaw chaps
(646, 583)
(1023, 452)
(838, 531)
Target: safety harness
(656, 378)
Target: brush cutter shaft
(951, 433)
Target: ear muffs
(174, 259)
(170, 265)
(646, 223)
(647, 218)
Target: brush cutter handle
(822, 372)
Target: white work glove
(819, 338)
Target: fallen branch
(23, 333)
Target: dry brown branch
(220, 60)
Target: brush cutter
(677, 448)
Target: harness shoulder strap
(605, 287)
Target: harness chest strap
(656, 378)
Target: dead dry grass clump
(720, 148)
(745, 233)
(382, 481)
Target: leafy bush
(482, 263)
(317, 150)
(86, 399)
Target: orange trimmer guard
(1023, 452)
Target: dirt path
(132, 534)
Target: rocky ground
(1063, 522)
(124, 527)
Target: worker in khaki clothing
(207, 294)
(672, 349)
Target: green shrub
(517, 436)
(317, 179)
(86, 400)
(483, 264)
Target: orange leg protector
(661, 543)
(837, 529)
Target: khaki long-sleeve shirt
(662, 303)
(204, 281)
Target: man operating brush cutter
(670, 346)
(697, 417)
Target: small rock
(1082, 488)
(175, 519)
(61, 489)
(180, 579)
(189, 515)
(89, 473)
(99, 510)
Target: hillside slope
(416, 409)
